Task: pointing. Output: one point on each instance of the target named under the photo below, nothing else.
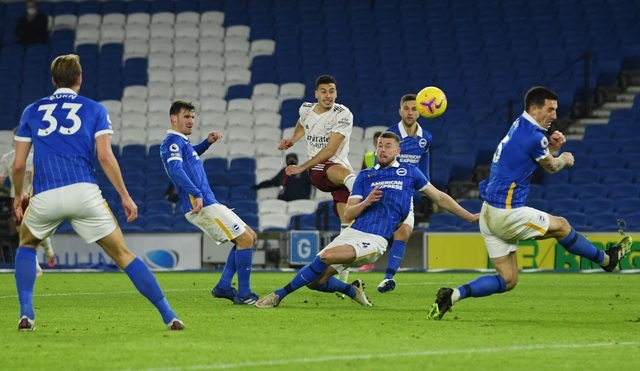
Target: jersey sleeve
(23, 133)
(358, 190)
(538, 146)
(172, 159)
(344, 122)
(103, 124)
(420, 180)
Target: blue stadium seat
(215, 164)
(564, 206)
(242, 192)
(577, 220)
(627, 206)
(561, 177)
(113, 6)
(137, 6)
(158, 6)
(242, 164)
(181, 224)
(472, 205)
(64, 227)
(160, 206)
(252, 220)
(538, 204)
(444, 221)
(584, 176)
(158, 223)
(133, 150)
(136, 226)
(592, 190)
(64, 7)
(621, 191)
(156, 189)
(617, 176)
(597, 205)
(604, 222)
(244, 206)
(186, 6)
(304, 222)
(557, 191)
(221, 192)
(242, 178)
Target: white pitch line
(427, 353)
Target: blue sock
(396, 254)
(335, 285)
(25, 273)
(244, 262)
(147, 284)
(483, 286)
(307, 274)
(229, 270)
(578, 244)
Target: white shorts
(81, 203)
(218, 222)
(368, 247)
(410, 219)
(502, 229)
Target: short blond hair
(65, 70)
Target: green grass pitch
(89, 321)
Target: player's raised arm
(445, 201)
(287, 143)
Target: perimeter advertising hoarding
(467, 251)
(160, 251)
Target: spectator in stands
(66, 131)
(504, 218)
(33, 26)
(414, 150)
(381, 198)
(6, 163)
(201, 207)
(370, 156)
(294, 187)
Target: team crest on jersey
(174, 147)
(236, 227)
(401, 171)
(544, 142)
(542, 218)
(327, 127)
(422, 143)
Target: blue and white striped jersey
(514, 161)
(182, 163)
(413, 150)
(62, 129)
(398, 183)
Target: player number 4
(53, 122)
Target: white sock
(348, 181)
(455, 296)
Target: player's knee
(403, 233)
(510, 282)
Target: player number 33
(53, 122)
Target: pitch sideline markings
(294, 361)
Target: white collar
(64, 91)
(170, 131)
(394, 164)
(529, 118)
(403, 132)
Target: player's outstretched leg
(618, 252)
(148, 286)
(25, 275)
(442, 304)
(48, 252)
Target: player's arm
(554, 164)
(298, 133)
(445, 201)
(18, 172)
(111, 169)
(356, 205)
(212, 137)
(335, 141)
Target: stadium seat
(158, 223)
(242, 164)
(592, 190)
(538, 204)
(557, 191)
(444, 221)
(181, 224)
(274, 222)
(621, 191)
(596, 205)
(563, 206)
(162, 207)
(300, 207)
(604, 222)
(584, 176)
(244, 206)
